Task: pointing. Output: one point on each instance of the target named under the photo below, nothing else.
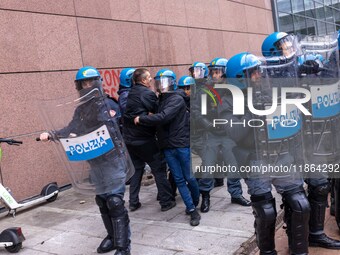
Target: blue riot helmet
(279, 44)
(165, 80)
(125, 77)
(217, 68)
(185, 83)
(88, 77)
(198, 70)
(241, 66)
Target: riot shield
(88, 141)
(277, 130)
(319, 73)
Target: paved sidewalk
(72, 225)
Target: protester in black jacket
(174, 138)
(141, 141)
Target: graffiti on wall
(110, 81)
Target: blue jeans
(234, 187)
(178, 160)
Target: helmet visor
(216, 72)
(163, 84)
(197, 72)
(286, 45)
(88, 83)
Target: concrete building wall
(44, 42)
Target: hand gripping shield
(88, 141)
(319, 73)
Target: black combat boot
(205, 205)
(318, 201)
(107, 244)
(121, 235)
(123, 252)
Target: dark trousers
(149, 153)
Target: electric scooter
(11, 239)
(49, 193)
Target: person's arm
(65, 131)
(169, 112)
(150, 101)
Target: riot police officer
(321, 141)
(108, 171)
(212, 138)
(186, 83)
(258, 146)
(197, 70)
(125, 84)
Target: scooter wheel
(14, 248)
(49, 189)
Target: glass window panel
(336, 16)
(321, 28)
(329, 14)
(319, 11)
(286, 23)
(299, 25)
(337, 6)
(284, 6)
(330, 28)
(311, 26)
(309, 16)
(309, 7)
(298, 7)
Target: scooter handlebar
(10, 141)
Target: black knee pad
(265, 209)
(319, 193)
(101, 202)
(116, 206)
(296, 202)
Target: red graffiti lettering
(110, 81)
(107, 78)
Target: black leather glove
(309, 67)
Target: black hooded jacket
(172, 120)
